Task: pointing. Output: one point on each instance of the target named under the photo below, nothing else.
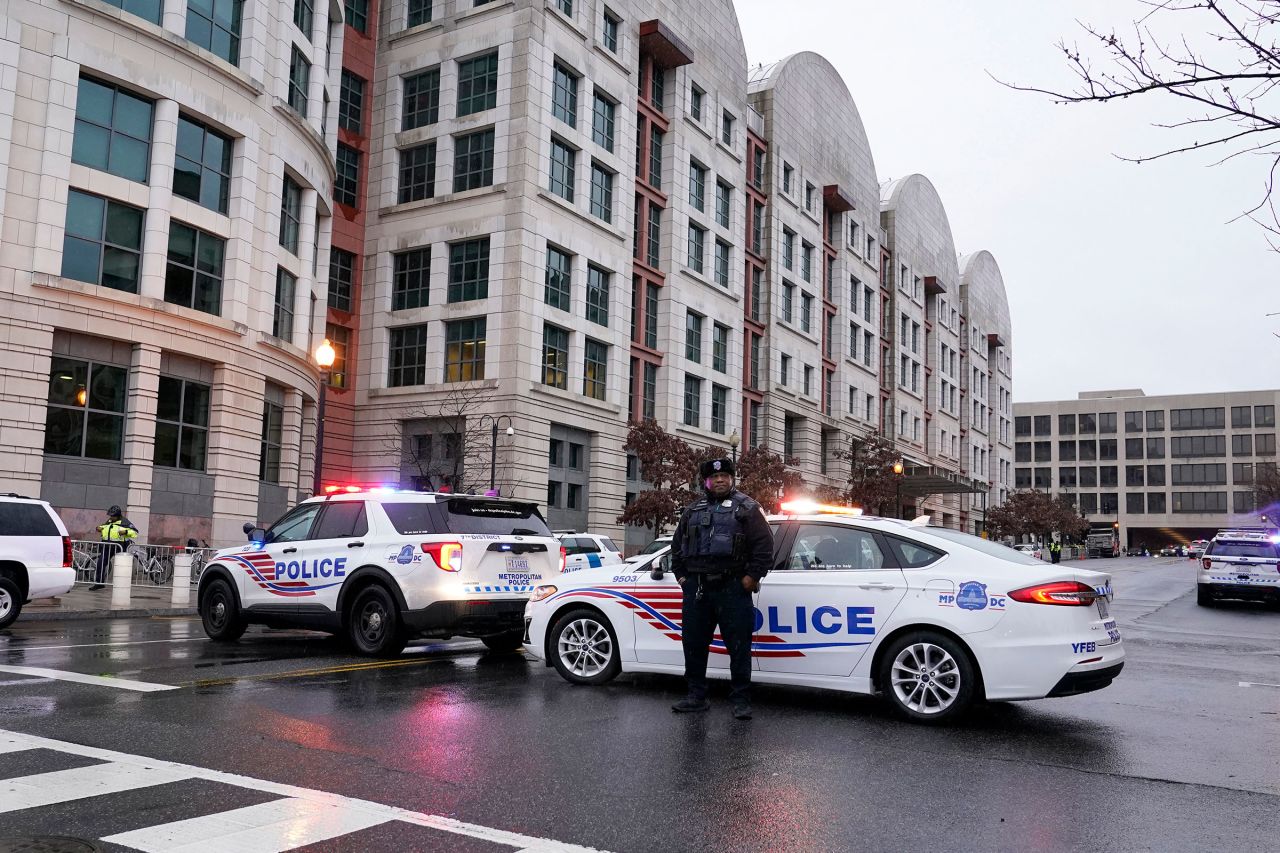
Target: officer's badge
(715, 466)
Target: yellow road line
(303, 673)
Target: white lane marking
(264, 828)
(499, 836)
(47, 789)
(100, 645)
(80, 678)
(1257, 684)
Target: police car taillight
(564, 558)
(1067, 593)
(448, 555)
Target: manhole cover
(46, 844)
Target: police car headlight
(541, 592)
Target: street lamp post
(897, 482)
(734, 441)
(495, 422)
(324, 357)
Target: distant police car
(932, 618)
(588, 551)
(1242, 564)
(382, 567)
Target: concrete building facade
(523, 224)
(1164, 469)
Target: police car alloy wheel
(10, 602)
(584, 649)
(220, 613)
(374, 623)
(927, 677)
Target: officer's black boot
(742, 709)
(691, 704)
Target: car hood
(591, 577)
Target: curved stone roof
(985, 294)
(922, 230)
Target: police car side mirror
(258, 536)
(248, 527)
(661, 567)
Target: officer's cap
(716, 466)
(114, 510)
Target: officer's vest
(713, 532)
(114, 531)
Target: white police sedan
(931, 618)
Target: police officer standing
(116, 533)
(1055, 551)
(721, 549)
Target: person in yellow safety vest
(117, 532)
(1055, 551)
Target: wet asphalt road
(1175, 755)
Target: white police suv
(383, 566)
(931, 618)
(1243, 564)
(588, 551)
(35, 554)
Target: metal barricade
(152, 564)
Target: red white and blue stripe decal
(660, 607)
(261, 569)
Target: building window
(720, 348)
(806, 312)
(1199, 502)
(595, 369)
(597, 295)
(564, 95)
(290, 214)
(757, 292)
(565, 6)
(788, 299)
(1197, 419)
(788, 248)
(808, 380)
(787, 174)
(469, 270)
(726, 128)
(464, 342)
(202, 165)
(1265, 444)
(653, 243)
(182, 424)
(719, 408)
(753, 365)
(351, 102)
(477, 84)
(112, 130)
(473, 160)
(602, 121)
(417, 173)
(215, 26)
(1155, 422)
(408, 357)
(86, 409)
(340, 339)
(1264, 416)
(419, 12)
(555, 356)
(1242, 445)
(695, 102)
(651, 316)
(357, 14)
(302, 15)
(724, 203)
(697, 247)
(421, 99)
(193, 277)
(411, 279)
(1155, 448)
(282, 317)
(784, 369)
(1155, 475)
(557, 287)
(692, 401)
(553, 493)
(563, 163)
(1241, 417)
(697, 186)
(657, 87)
(693, 337)
(299, 81)
(342, 266)
(649, 391)
(601, 192)
(102, 243)
(722, 263)
(757, 227)
(609, 35)
(346, 184)
(272, 439)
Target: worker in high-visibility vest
(116, 533)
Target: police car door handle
(290, 550)
(875, 585)
(355, 544)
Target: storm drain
(46, 844)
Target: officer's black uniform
(1055, 551)
(716, 544)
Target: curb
(103, 613)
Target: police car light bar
(803, 506)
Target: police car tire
(386, 640)
(507, 641)
(580, 617)
(964, 667)
(229, 625)
(1203, 597)
(11, 599)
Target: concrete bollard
(181, 580)
(121, 579)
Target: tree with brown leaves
(867, 471)
(669, 465)
(1037, 514)
(763, 475)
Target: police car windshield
(654, 547)
(467, 515)
(1257, 550)
(986, 546)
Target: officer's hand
(680, 581)
(750, 584)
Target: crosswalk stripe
(80, 678)
(264, 828)
(168, 771)
(60, 786)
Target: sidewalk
(81, 603)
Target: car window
(986, 546)
(608, 543)
(831, 547)
(913, 555)
(504, 518)
(24, 519)
(655, 546)
(342, 520)
(294, 526)
(583, 545)
(1257, 550)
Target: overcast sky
(1118, 275)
